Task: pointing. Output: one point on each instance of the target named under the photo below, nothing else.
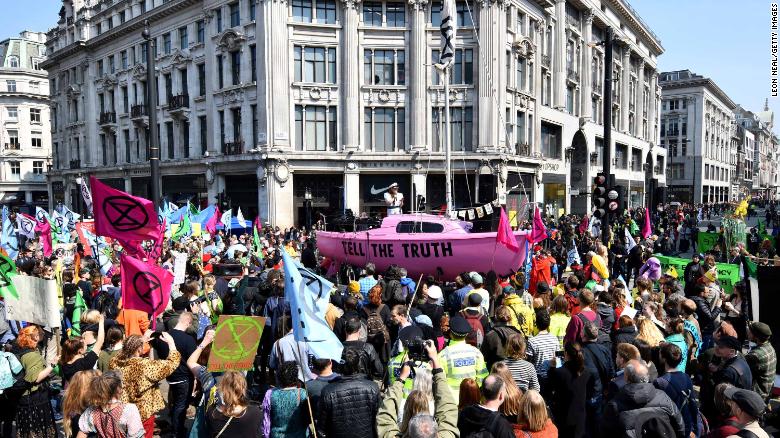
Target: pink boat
(423, 244)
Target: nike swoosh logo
(376, 192)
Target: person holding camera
(444, 421)
(460, 359)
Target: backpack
(106, 304)
(477, 334)
(376, 331)
(648, 424)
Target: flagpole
(447, 140)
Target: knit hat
(424, 320)
(434, 292)
(711, 275)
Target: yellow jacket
(527, 314)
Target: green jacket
(446, 410)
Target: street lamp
(151, 110)
(307, 207)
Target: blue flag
(309, 296)
(8, 239)
(527, 267)
(99, 246)
(70, 217)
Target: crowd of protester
(606, 345)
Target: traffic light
(615, 200)
(599, 195)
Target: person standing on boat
(394, 200)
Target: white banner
(37, 303)
(179, 267)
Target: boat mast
(447, 140)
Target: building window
(167, 43)
(636, 160)
(372, 14)
(201, 26)
(222, 129)
(98, 28)
(122, 17)
(464, 19)
(13, 139)
(100, 67)
(204, 134)
(35, 115)
(35, 87)
(235, 67)
(302, 10)
(220, 72)
(461, 128)
(520, 73)
(36, 139)
(384, 67)
(235, 15)
(185, 139)
(168, 87)
(123, 58)
(125, 100)
(395, 14)
(183, 38)
(315, 64)
(16, 168)
(315, 128)
(384, 129)
(253, 56)
(521, 130)
(169, 138)
(255, 140)
(462, 70)
(252, 10)
(13, 61)
(570, 92)
(201, 79)
(551, 141)
(326, 11)
(621, 156)
(37, 167)
(10, 86)
(13, 113)
(218, 16)
(235, 114)
(126, 138)
(111, 64)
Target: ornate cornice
(350, 4)
(230, 40)
(418, 5)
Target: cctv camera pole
(607, 158)
(151, 109)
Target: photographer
(445, 417)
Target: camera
(416, 350)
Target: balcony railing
(107, 117)
(12, 146)
(545, 61)
(75, 164)
(233, 148)
(572, 75)
(138, 111)
(179, 101)
(524, 149)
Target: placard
(236, 340)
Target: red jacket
(541, 270)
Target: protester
(533, 419)
(762, 359)
(569, 388)
(77, 398)
(107, 416)
(285, 412)
(485, 416)
(34, 415)
(234, 415)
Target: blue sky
(720, 39)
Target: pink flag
(211, 224)
(144, 287)
(583, 225)
(44, 229)
(132, 248)
(647, 229)
(123, 216)
(538, 230)
(505, 236)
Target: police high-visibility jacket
(461, 361)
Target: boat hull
(442, 255)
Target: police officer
(459, 359)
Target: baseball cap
(476, 278)
(434, 292)
(747, 400)
(474, 300)
(761, 329)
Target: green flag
(185, 228)
(7, 272)
(193, 209)
(258, 244)
(80, 307)
(761, 227)
(634, 230)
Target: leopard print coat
(140, 379)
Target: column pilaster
(639, 115)
(586, 109)
(417, 88)
(559, 56)
(279, 74)
(624, 97)
(350, 67)
(491, 73)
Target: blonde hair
(511, 405)
(647, 331)
(208, 283)
(417, 403)
(76, 398)
(232, 387)
(91, 317)
(533, 411)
